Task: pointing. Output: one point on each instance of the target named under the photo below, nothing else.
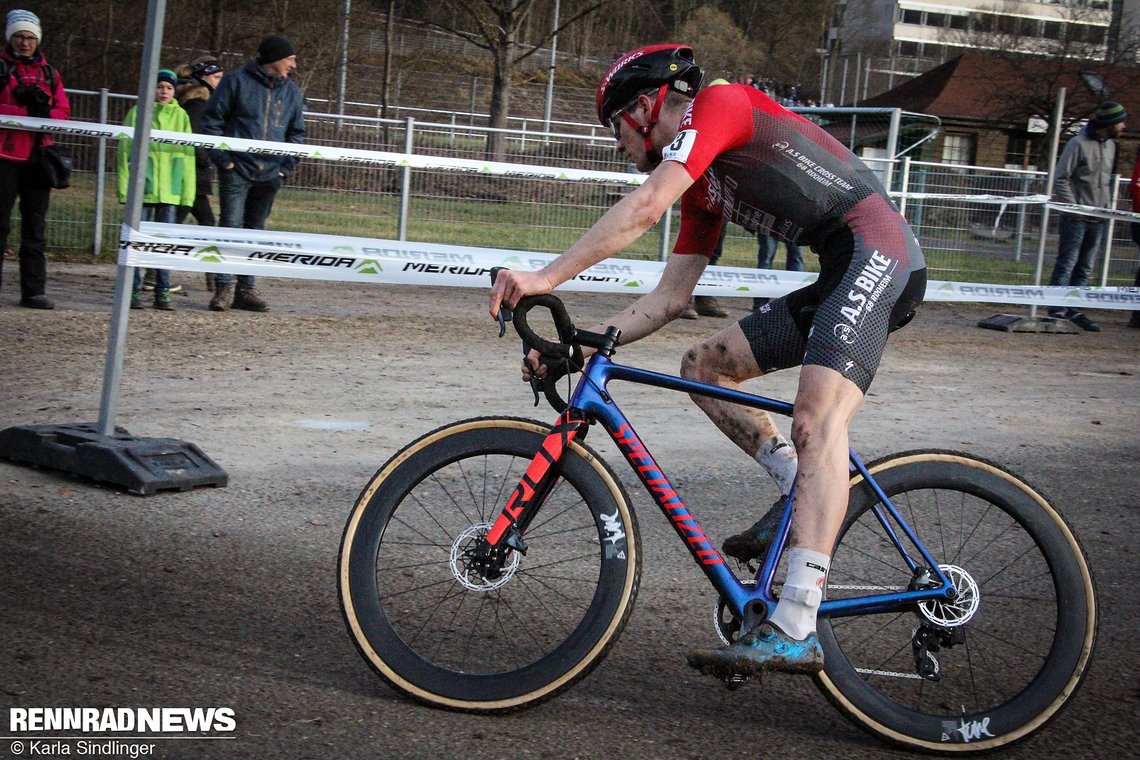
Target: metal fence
(963, 240)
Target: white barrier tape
(331, 257)
(996, 199)
(325, 152)
(1103, 213)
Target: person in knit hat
(258, 102)
(1083, 176)
(196, 82)
(28, 87)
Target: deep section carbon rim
(436, 629)
(1020, 653)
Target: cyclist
(731, 154)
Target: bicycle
(492, 563)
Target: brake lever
(504, 317)
(535, 383)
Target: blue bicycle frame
(592, 400)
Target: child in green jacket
(170, 177)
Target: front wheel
(440, 631)
(1002, 659)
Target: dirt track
(228, 596)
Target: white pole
(1058, 114)
(343, 65)
(553, 62)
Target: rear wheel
(434, 626)
(1011, 649)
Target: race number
(681, 146)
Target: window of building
(1094, 35)
(911, 16)
(958, 149)
(936, 19)
(909, 49)
(1023, 150)
(958, 22)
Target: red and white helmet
(647, 68)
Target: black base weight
(140, 465)
(1015, 323)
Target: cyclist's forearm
(664, 303)
(643, 317)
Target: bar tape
(266, 253)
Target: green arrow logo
(210, 254)
(369, 266)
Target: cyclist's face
(630, 143)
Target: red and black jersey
(765, 168)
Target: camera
(33, 98)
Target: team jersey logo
(681, 146)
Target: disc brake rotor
(466, 573)
(951, 613)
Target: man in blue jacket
(257, 102)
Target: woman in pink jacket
(30, 87)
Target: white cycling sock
(802, 593)
(778, 457)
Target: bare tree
(497, 25)
(719, 45)
(1038, 56)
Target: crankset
(730, 627)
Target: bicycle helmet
(644, 69)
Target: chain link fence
(963, 240)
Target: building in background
(875, 45)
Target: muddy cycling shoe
(765, 648)
(754, 542)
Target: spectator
(259, 102)
(198, 80)
(170, 181)
(1084, 176)
(766, 253)
(1134, 189)
(28, 87)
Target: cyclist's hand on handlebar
(532, 366)
(511, 285)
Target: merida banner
(395, 262)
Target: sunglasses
(618, 116)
